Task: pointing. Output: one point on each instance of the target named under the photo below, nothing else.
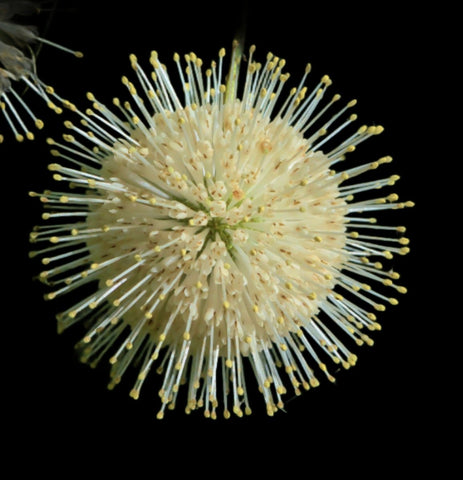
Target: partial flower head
(225, 246)
(17, 64)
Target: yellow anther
(326, 80)
(134, 393)
(314, 382)
(368, 340)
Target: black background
(381, 411)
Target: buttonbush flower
(215, 237)
(17, 64)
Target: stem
(232, 77)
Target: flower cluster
(221, 242)
(17, 64)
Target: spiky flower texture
(222, 242)
(18, 65)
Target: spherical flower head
(223, 243)
(18, 65)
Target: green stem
(232, 78)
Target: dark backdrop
(377, 53)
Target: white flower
(221, 238)
(17, 66)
